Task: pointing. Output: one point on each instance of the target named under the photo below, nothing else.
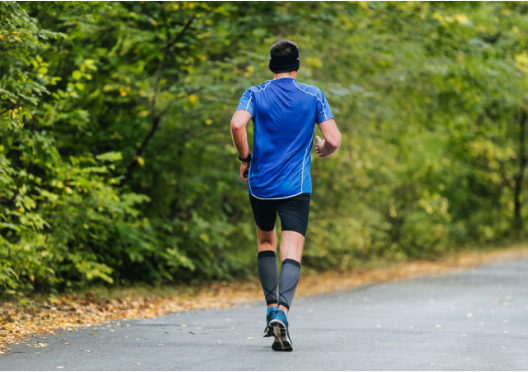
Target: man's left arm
(238, 130)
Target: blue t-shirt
(284, 114)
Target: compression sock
(268, 274)
(288, 280)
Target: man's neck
(292, 74)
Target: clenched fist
(319, 147)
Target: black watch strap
(248, 159)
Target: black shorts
(293, 213)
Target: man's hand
(244, 170)
(319, 147)
(332, 140)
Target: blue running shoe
(268, 332)
(279, 326)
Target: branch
(155, 117)
(19, 100)
(10, 108)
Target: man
(284, 114)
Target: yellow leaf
(314, 62)
(204, 237)
(193, 99)
(363, 4)
(462, 18)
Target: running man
(284, 114)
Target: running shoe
(279, 327)
(268, 332)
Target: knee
(266, 241)
(267, 238)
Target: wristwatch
(248, 159)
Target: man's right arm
(332, 139)
(238, 131)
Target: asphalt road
(465, 320)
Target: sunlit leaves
(116, 161)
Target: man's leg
(265, 214)
(267, 265)
(294, 215)
(291, 249)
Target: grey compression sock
(269, 275)
(289, 277)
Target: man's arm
(239, 133)
(332, 141)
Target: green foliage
(116, 162)
(59, 214)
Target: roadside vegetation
(117, 166)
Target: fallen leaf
(70, 312)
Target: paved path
(465, 320)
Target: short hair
(283, 48)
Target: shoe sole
(282, 341)
(268, 332)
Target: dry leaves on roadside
(17, 322)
